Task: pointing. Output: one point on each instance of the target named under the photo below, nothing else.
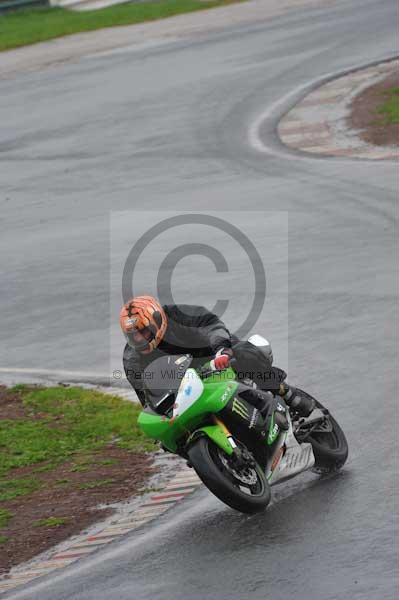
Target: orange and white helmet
(143, 321)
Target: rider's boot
(303, 405)
(262, 400)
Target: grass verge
(95, 484)
(389, 110)
(66, 454)
(5, 516)
(50, 522)
(25, 27)
(58, 423)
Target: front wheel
(329, 444)
(245, 489)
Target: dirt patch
(48, 494)
(10, 404)
(365, 118)
(71, 492)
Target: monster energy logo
(240, 408)
(273, 432)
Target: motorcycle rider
(152, 330)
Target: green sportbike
(237, 451)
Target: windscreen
(164, 374)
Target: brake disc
(246, 475)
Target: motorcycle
(237, 451)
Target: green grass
(69, 421)
(36, 25)
(86, 464)
(91, 485)
(80, 468)
(48, 467)
(50, 522)
(5, 516)
(82, 464)
(12, 488)
(390, 108)
(149, 490)
(107, 462)
(3, 539)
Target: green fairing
(218, 389)
(218, 436)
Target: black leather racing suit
(191, 330)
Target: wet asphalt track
(168, 130)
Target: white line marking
(183, 487)
(93, 544)
(149, 511)
(73, 550)
(121, 530)
(186, 479)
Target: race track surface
(167, 129)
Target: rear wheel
(243, 488)
(328, 441)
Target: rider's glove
(222, 359)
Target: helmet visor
(139, 338)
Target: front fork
(227, 433)
(240, 458)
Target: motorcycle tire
(330, 449)
(207, 460)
